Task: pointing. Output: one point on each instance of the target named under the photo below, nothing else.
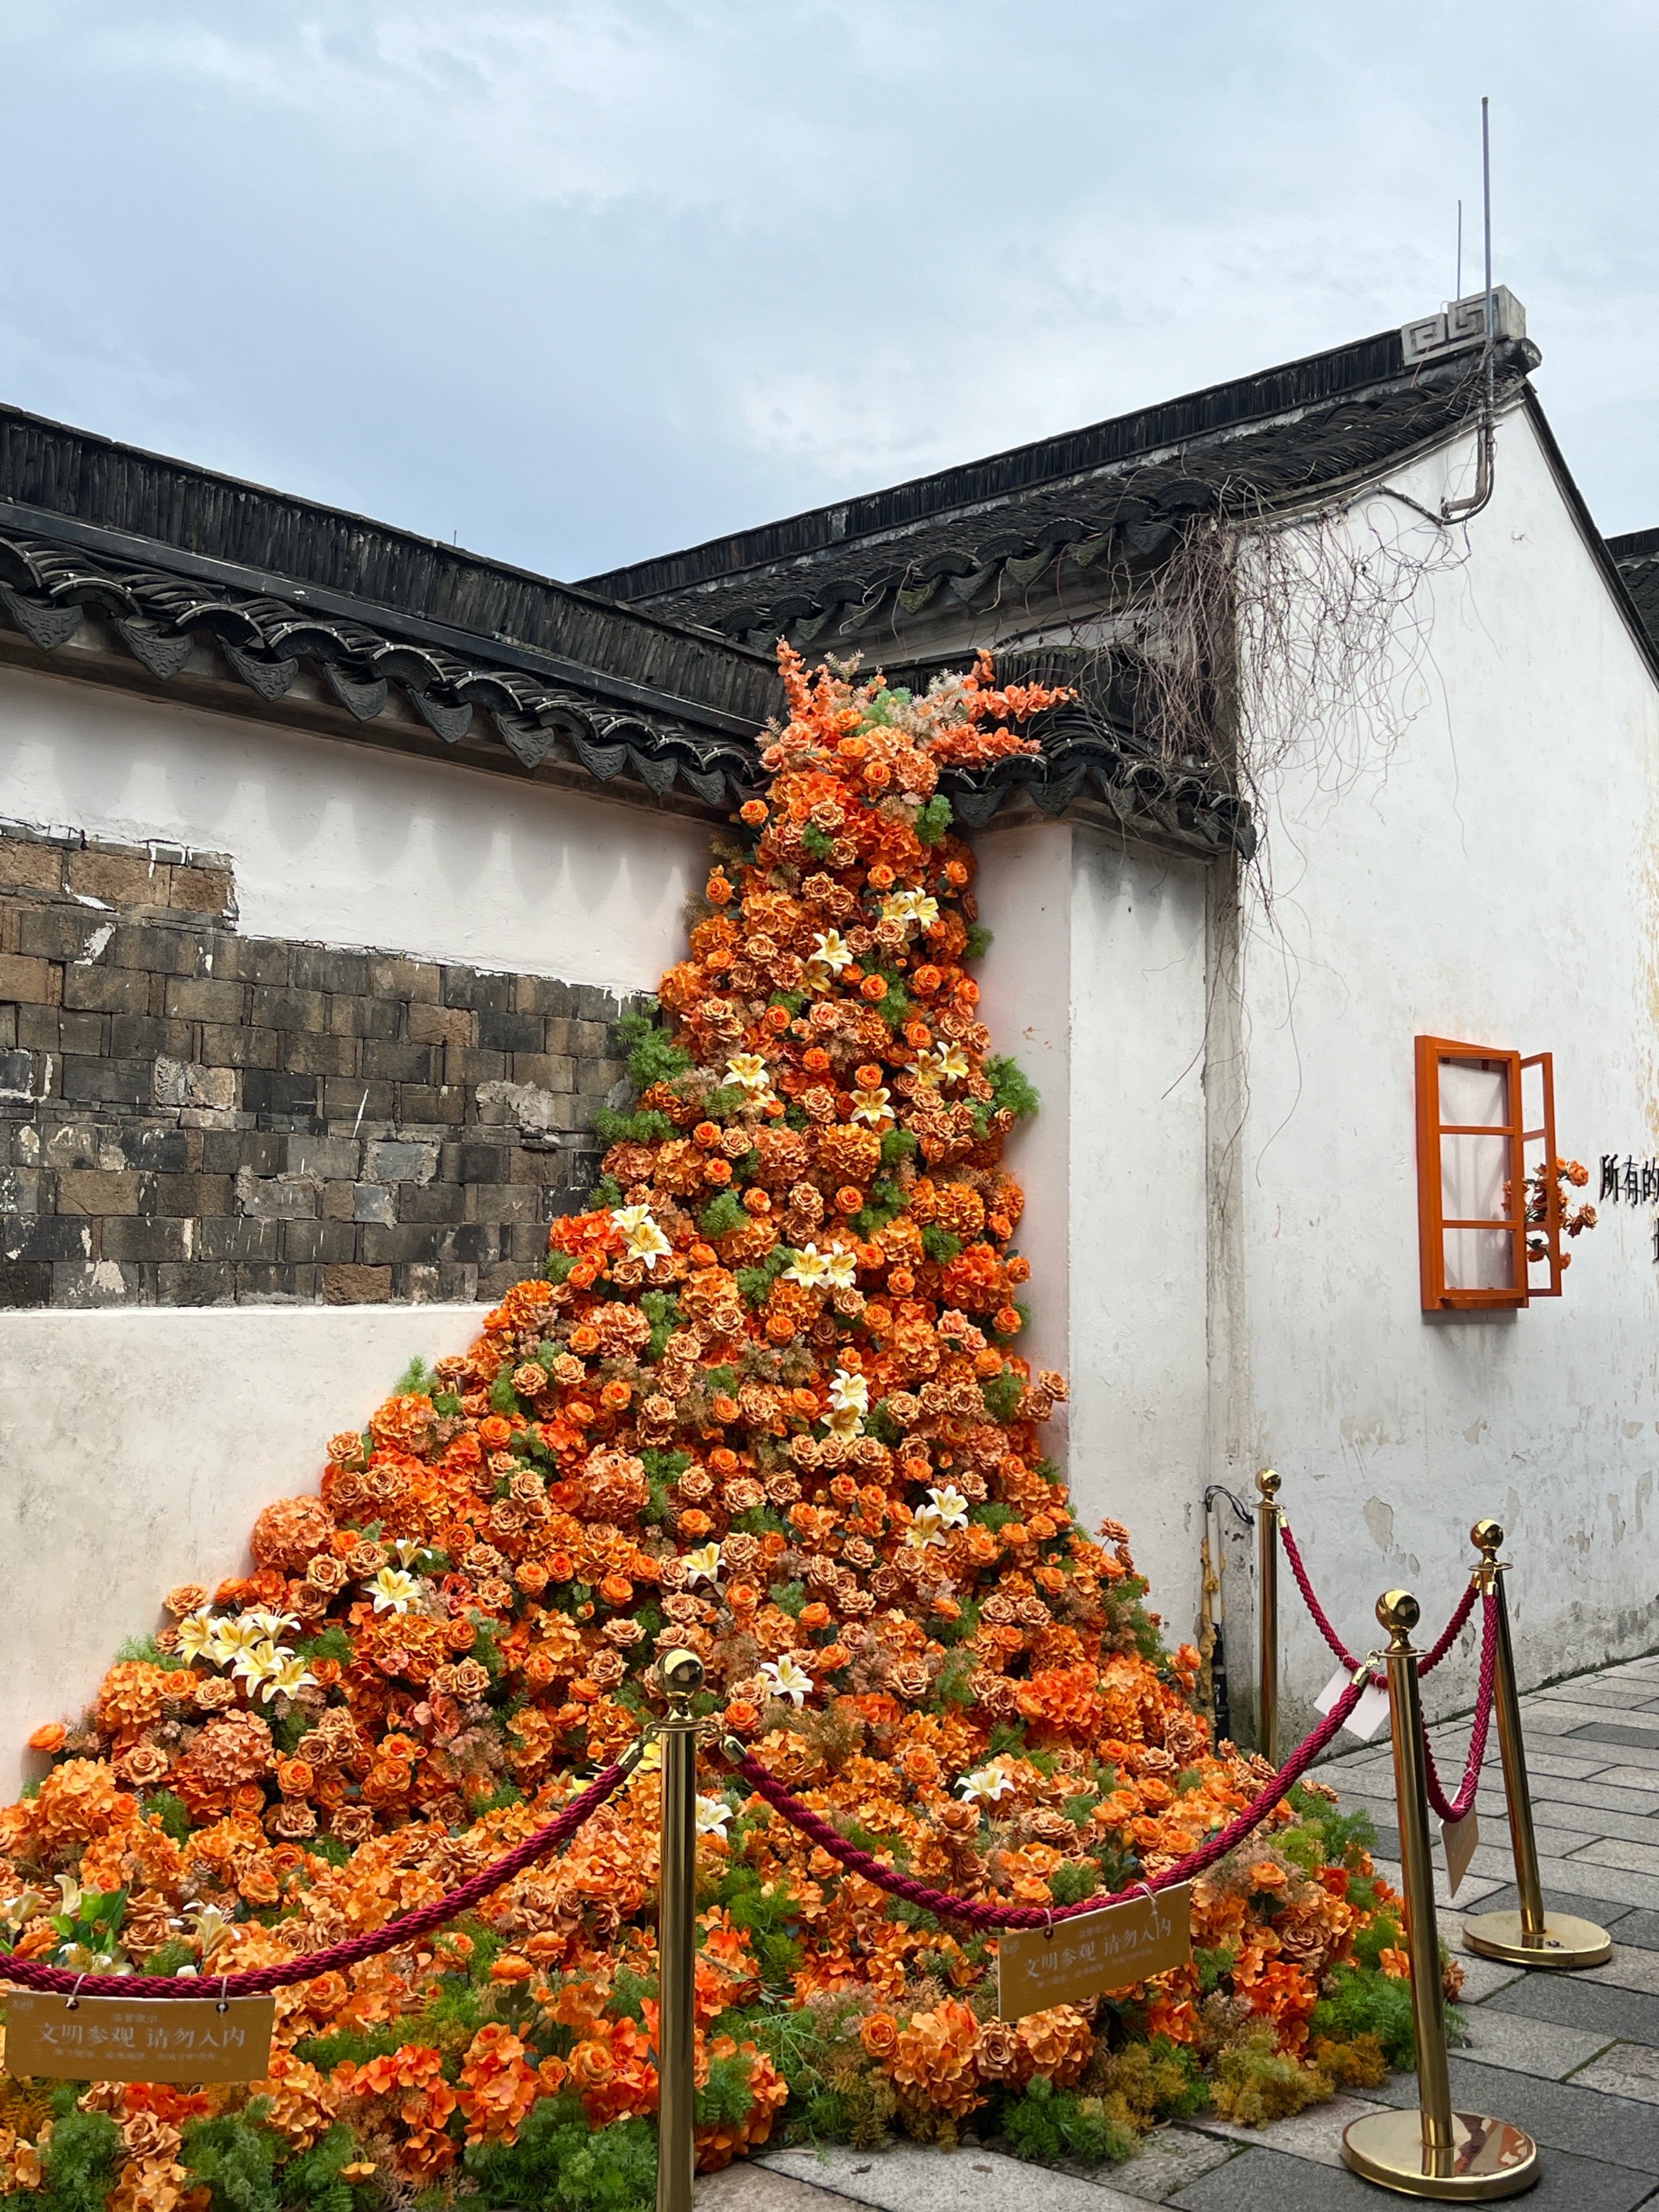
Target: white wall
(1493, 880)
(138, 1447)
(347, 845)
(1095, 981)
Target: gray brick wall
(188, 1116)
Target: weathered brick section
(188, 1116)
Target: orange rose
(295, 1777)
(815, 1060)
(724, 1408)
(585, 1339)
(927, 979)
(615, 1396)
(706, 1135)
(901, 1282)
(717, 1172)
(848, 1198)
(51, 1736)
(511, 1966)
(1006, 1320)
(879, 2036)
(718, 890)
(495, 1431)
(742, 1718)
(616, 1590)
(696, 1523)
(753, 812)
(816, 1615)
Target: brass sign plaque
(186, 2039)
(1460, 1837)
(1095, 1952)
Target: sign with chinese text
(186, 2039)
(1095, 1952)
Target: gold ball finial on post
(1398, 1611)
(681, 1674)
(1487, 1538)
(1268, 1484)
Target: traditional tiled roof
(1113, 497)
(1636, 556)
(171, 556)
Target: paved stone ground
(1574, 2058)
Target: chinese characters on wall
(1630, 1182)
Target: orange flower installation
(766, 1402)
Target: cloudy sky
(578, 280)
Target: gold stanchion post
(1267, 1615)
(682, 1679)
(1434, 2151)
(1530, 1936)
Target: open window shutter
(1470, 1176)
(1544, 1271)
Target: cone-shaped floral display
(766, 1402)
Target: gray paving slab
(1481, 1977)
(1315, 2134)
(1591, 1690)
(1622, 1776)
(1572, 2001)
(1564, 1716)
(1474, 1888)
(1525, 2046)
(1640, 1928)
(1590, 1797)
(1269, 2181)
(749, 2188)
(1573, 1824)
(1624, 2070)
(1560, 1755)
(1630, 1748)
(1628, 1734)
(918, 2178)
(1619, 1851)
(1630, 1968)
(1169, 2160)
(1557, 2115)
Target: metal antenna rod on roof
(1457, 289)
(1485, 203)
(1464, 509)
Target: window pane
(1474, 1178)
(1480, 1260)
(1474, 1091)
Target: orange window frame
(1554, 1208)
(1432, 1221)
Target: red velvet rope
(1455, 1808)
(1453, 1630)
(979, 1915)
(258, 1981)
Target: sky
(576, 281)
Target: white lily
(949, 1507)
(841, 1268)
(409, 1551)
(209, 1926)
(703, 1564)
(641, 1238)
(873, 1107)
(849, 1401)
(784, 1679)
(946, 1063)
(270, 1626)
(831, 949)
(231, 1637)
(809, 1267)
(713, 1817)
(289, 1676)
(198, 1633)
(925, 1529)
(393, 1590)
(984, 1785)
(255, 1663)
(749, 1069)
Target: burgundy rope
(257, 1981)
(948, 1907)
(1455, 1807)
(1453, 1627)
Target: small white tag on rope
(1460, 1837)
(1367, 1717)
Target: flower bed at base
(765, 1402)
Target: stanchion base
(1566, 1941)
(1487, 2158)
